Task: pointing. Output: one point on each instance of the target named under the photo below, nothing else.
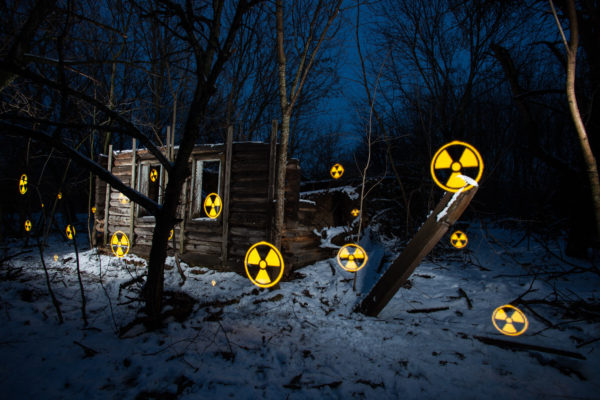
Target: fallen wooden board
(445, 214)
(506, 344)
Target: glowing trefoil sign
(459, 239)
(119, 244)
(336, 171)
(213, 205)
(454, 160)
(23, 184)
(264, 264)
(509, 320)
(351, 257)
(70, 232)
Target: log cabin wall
(250, 211)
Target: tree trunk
(588, 156)
(24, 41)
(166, 217)
(285, 129)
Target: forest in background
(78, 76)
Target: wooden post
(107, 197)
(226, 195)
(131, 203)
(448, 210)
(182, 224)
(168, 143)
(272, 177)
(172, 144)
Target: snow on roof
(349, 190)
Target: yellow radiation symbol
(153, 175)
(123, 199)
(213, 205)
(27, 225)
(459, 239)
(59, 195)
(355, 212)
(119, 244)
(23, 184)
(509, 320)
(336, 171)
(94, 210)
(352, 257)
(70, 231)
(453, 160)
(264, 264)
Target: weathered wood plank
(248, 219)
(204, 248)
(422, 243)
(204, 237)
(226, 195)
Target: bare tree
(590, 161)
(206, 35)
(316, 26)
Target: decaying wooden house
(243, 175)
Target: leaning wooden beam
(445, 214)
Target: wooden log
(117, 208)
(248, 177)
(272, 179)
(226, 195)
(196, 237)
(426, 310)
(453, 205)
(208, 227)
(121, 170)
(132, 184)
(107, 198)
(519, 346)
(248, 168)
(123, 159)
(248, 200)
(204, 248)
(118, 220)
(209, 260)
(253, 190)
(250, 220)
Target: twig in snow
(14, 255)
(112, 314)
(89, 352)
(179, 269)
(588, 342)
(427, 310)
(83, 302)
(462, 293)
(54, 300)
(231, 353)
(527, 347)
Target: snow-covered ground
(302, 340)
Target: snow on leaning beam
(445, 214)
